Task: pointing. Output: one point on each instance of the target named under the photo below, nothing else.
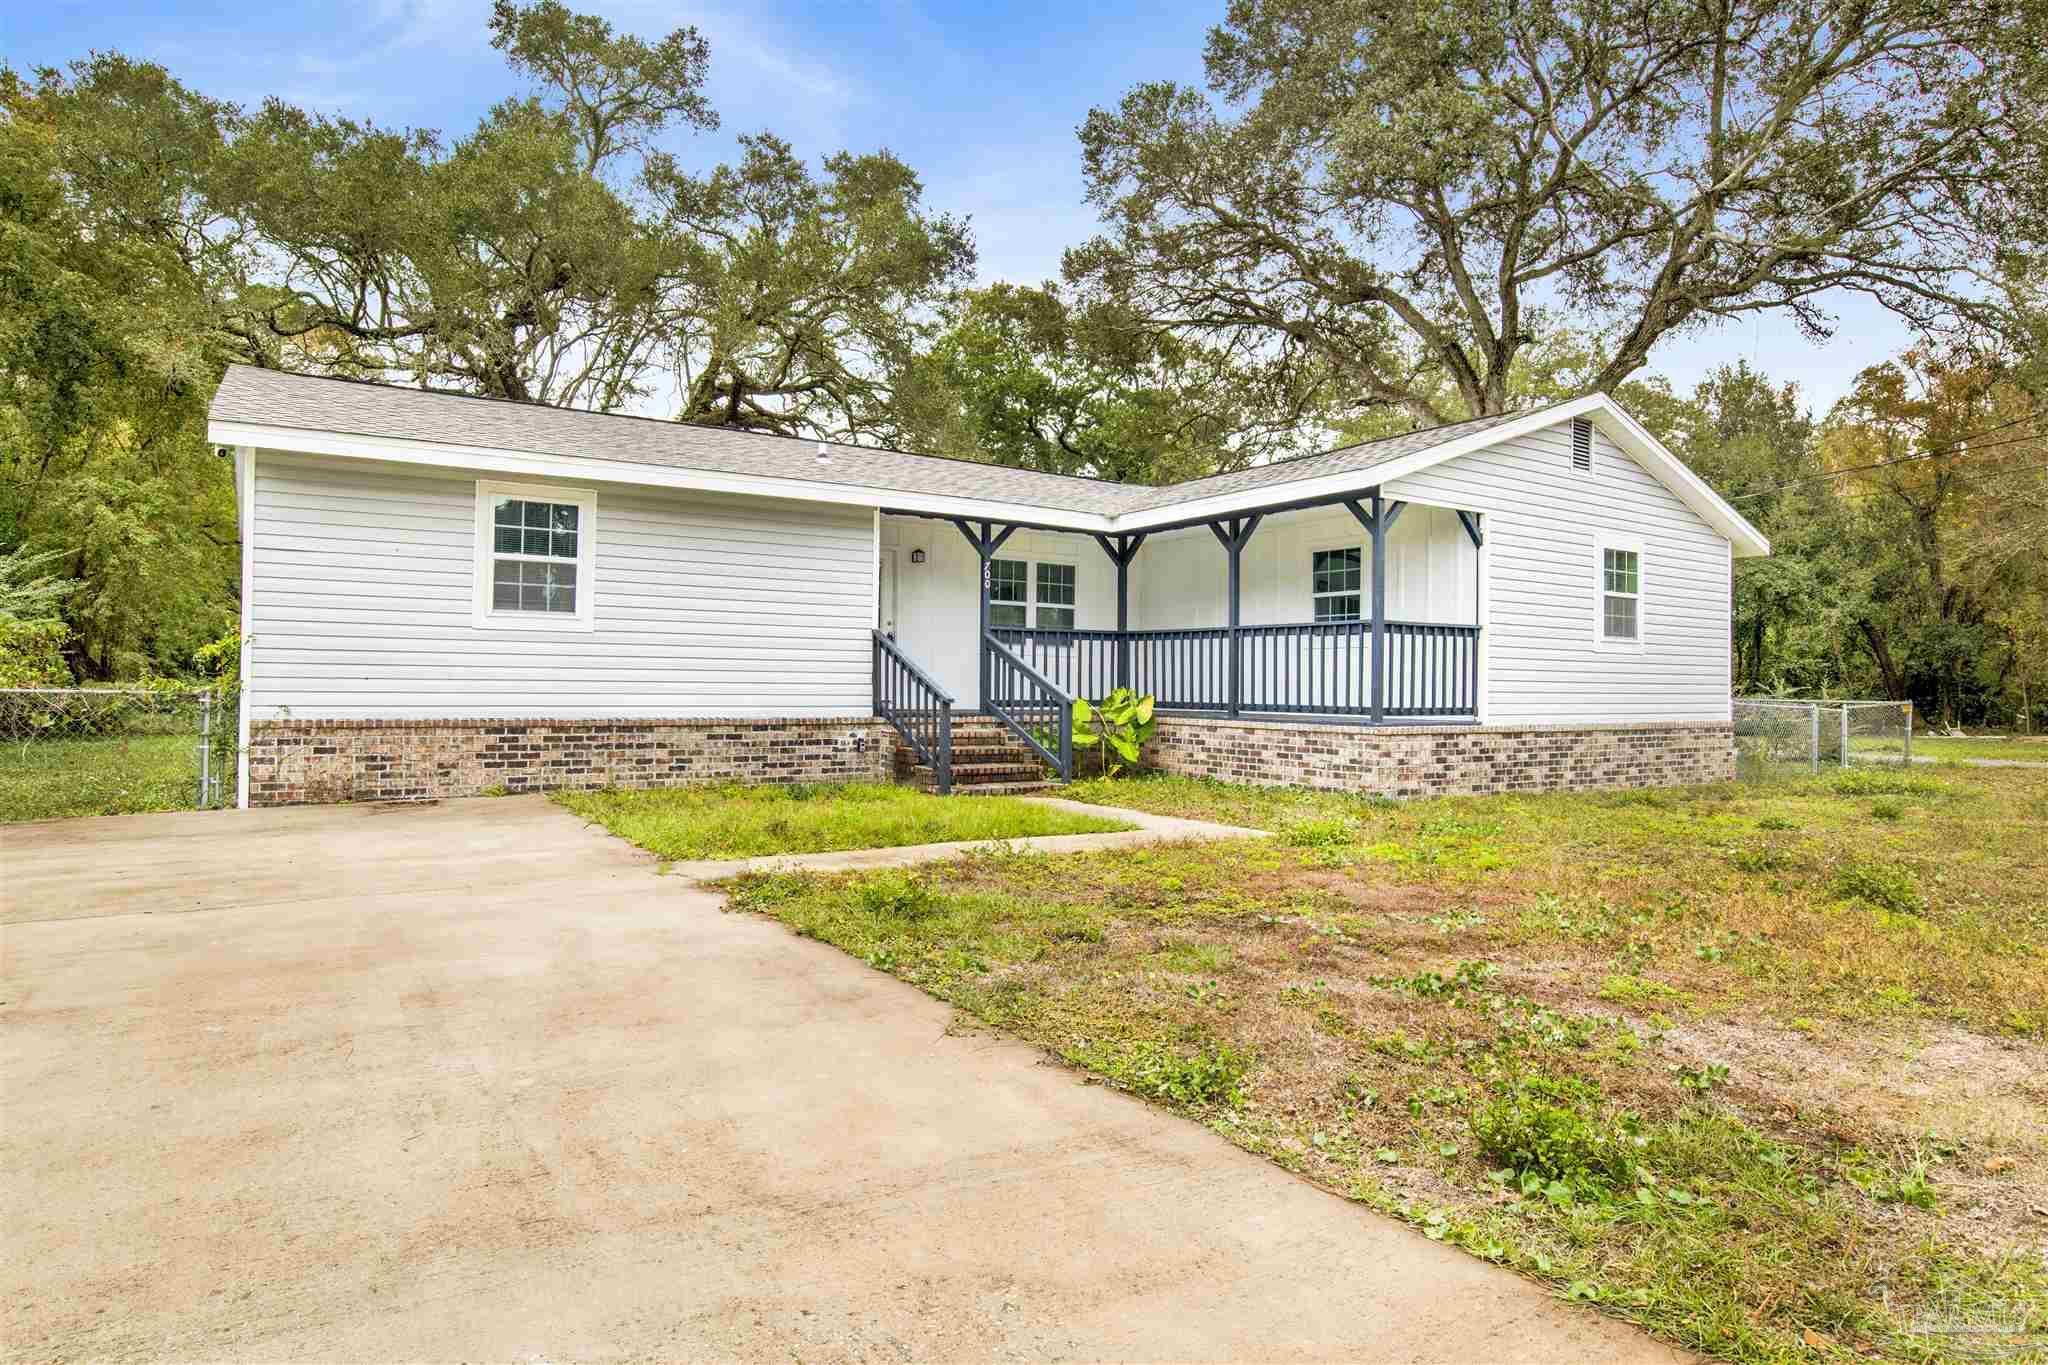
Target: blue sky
(981, 99)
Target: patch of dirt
(1918, 1089)
(1983, 1099)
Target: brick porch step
(988, 760)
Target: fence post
(205, 748)
(1813, 746)
(1845, 734)
(1907, 707)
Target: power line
(1979, 479)
(2006, 472)
(1973, 443)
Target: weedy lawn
(2020, 748)
(57, 779)
(733, 821)
(1765, 1070)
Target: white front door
(885, 595)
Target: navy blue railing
(1038, 710)
(921, 710)
(1431, 670)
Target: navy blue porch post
(1121, 552)
(986, 541)
(1378, 523)
(1233, 539)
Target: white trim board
(245, 520)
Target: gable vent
(1582, 445)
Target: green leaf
(1083, 713)
(1126, 749)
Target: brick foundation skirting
(1442, 761)
(307, 762)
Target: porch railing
(1040, 711)
(1431, 670)
(919, 709)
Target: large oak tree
(1411, 193)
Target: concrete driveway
(472, 1082)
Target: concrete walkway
(473, 1082)
(1151, 829)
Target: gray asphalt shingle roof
(349, 407)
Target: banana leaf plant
(1117, 726)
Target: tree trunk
(1880, 650)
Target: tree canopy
(1410, 195)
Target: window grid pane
(1005, 614)
(1007, 581)
(1623, 571)
(1337, 607)
(545, 530)
(1055, 618)
(1619, 621)
(523, 585)
(1056, 585)
(544, 537)
(1336, 580)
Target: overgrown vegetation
(1682, 1054)
(59, 779)
(734, 821)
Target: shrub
(1886, 810)
(32, 654)
(1884, 886)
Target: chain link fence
(69, 751)
(1778, 737)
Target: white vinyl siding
(1182, 578)
(938, 602)
(703, 604)
(1545, 524)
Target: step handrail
(1043, 693)
(920, 710)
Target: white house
(443, 595)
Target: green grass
(59, 779)
(747, 821)
(2021, 748)
(1661, 1050)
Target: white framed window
(1038, 593)
(536, 546)
(1336, 577)
(1009, 592)
(1052, 588)
(1618, 593)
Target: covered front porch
(1360, 610)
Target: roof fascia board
(1745, 539)
(499, 461)
(1331, 485)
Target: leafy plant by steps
(1117, 725)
